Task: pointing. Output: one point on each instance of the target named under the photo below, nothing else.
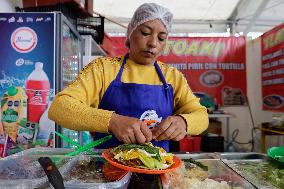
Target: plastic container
(212, 143)
(48, 152)
(277, 154)
(190, 144)
(80, 175)
(260, 172)
(25, 172)
(217, 171)
(43, 151)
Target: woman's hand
(129, 129)
(171, 128)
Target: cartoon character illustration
(151, 118)
(13, 108)
(27, 132)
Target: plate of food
(147, 159)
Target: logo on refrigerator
(20, 62)
(48, 19)
(29, 19)
(12, 19)
(20, 20)
(3, 19)
(39, 19)
(24, 39)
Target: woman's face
(147, 41)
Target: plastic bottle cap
(12, 91)
(38, 66)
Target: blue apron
(131, 99)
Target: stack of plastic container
(25, 172)
(87, 172)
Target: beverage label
(11, 147)
(37, 97)
(13, 108)
(27, 132)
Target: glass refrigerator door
(71, 52)
(71, 58)
(70, 55)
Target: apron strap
(118, 77)
(160, 74)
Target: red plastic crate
(190, 144)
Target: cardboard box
(215, 127)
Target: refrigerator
(40, 55)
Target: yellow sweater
(76, 107)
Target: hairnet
(147, 12)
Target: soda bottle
(37, 89)
(46, 127)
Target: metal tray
(217, 171)
(197, 156)
(242, 156)
(259, 172)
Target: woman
(127, 94)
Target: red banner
(272, 49)
(213, 66)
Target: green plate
(276, 153)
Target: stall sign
(272, 69)
(213, 66)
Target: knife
(53, 175)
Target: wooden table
(267, 131)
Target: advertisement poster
(215, 67)
(272, 49)
(26, 78)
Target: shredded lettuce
(147, 148)
(149, 156)
(150, 162)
